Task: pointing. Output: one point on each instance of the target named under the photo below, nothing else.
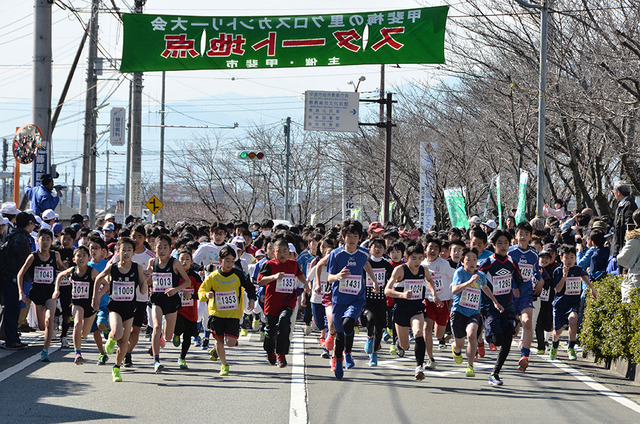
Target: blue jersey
(569, 296)
(303, 260)
(485, 254)
(527, 261)
(351, 288)
(502, 275)
(100, 266)
(467, 302)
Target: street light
(356, 86)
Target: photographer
(41, 196)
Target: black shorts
(139, 313)
(86, 306)
(65, 300)
(125, 309)
(222, 327)
(403, 313)
(169, 304)
(459, 323)
(186, 327)
(40, 293)
(497, 323)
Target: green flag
(454, 198)
(499, 200)
(179, 42)
(522, 197)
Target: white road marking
(298, 403)
(22, 365)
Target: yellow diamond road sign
(154, 205)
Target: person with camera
(41, 197)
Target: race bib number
(351, 284)
(416, 287)
(123, 291)
(80, 290)
(66, 281)
(324, 286)
(544, 295)
(470, 298)
(437, 282)
(43, 275)
(380, 275)
(572, 286)
(287, 284)
(161, 281)
(186, 302)
(501, 285)
(526, 270)
(226, 300)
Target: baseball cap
(49, 214)
(57, 228)
(109, 216)
(292, 248)
(9, 208)
(475, 219)
(260, 252)
(491, 224)
(376, 227)
(551, 248)
(544, 252)
(414, 234)
(109, 227)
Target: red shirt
(191, 312)
(275, 302)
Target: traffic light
(244, 154)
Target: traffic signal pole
(287, 140)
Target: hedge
(610, 328)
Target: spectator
(623, 220)
(629, 258)
(9, 211)
(41, 196)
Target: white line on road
(596, 386)
(22, 365)
(298, 403)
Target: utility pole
(41, 112)
(543, 6)
(106, 186)
(4, 168)
(135, 189)
(88, 185)
(127, 184)
(162, 112)
(287, 141)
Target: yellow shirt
(227, 300)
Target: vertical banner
(522, 197)
(499, 201)
(356, 214)
(381, 214)
(347, 191)
(454, 198)
(427, 178)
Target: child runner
(467, 285)
(165, 278)
(122, 280)
(223, 290)
(407, 286)
(320, 286)
(544, 323)
(323, 288)
(346, 266)
(568, 285)
(65, 249)
(395, 252)
(41, 267)
(375, 310)
(187, 319)
(82, 278)
(98, 251)
(502, 275)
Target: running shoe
(553, 353)
(442, 344)
(213, 354)
(356, 330)
(392, 350)
(540, 351)
(430, 364)
(321, 341)
(158, 367)
(224, 370)
(282, 361)
(368, 346)
(481, 351)
(44, 356)
(572, 354)
(102, 359)
(262, 336)
(419, 373)
(197, 341)
(386, 336)
(333, 363)
(325, 354)
(494, 380)
(205, 344)
(109, 347)
(255, 325)
(182, 364)
(399, 351)
(520, 344)
(176, 340)
(128, 363)
(150, 351)
(470, 372)
(64, 343)
(348, 361)
(163, 343)
(373, 360)
(243, 332)
(390, 331)
(337, 368)
(307, 329)
(329, 342)
(492, 347)
(78, 360)
(456, 356)
(271, 357)
(116, 374)
(523, 363)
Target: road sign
(116, 129)
(331, 111)
(154, 205)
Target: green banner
(454, 198)
(180, 42)
(522, 197)
(499, 200)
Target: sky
(217, 98)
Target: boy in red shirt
(187, 319)
(284, 282)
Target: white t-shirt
(208, 253)
(442, 276)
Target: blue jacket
(41, 199)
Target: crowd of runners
(190, 283)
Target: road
(305, 391)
